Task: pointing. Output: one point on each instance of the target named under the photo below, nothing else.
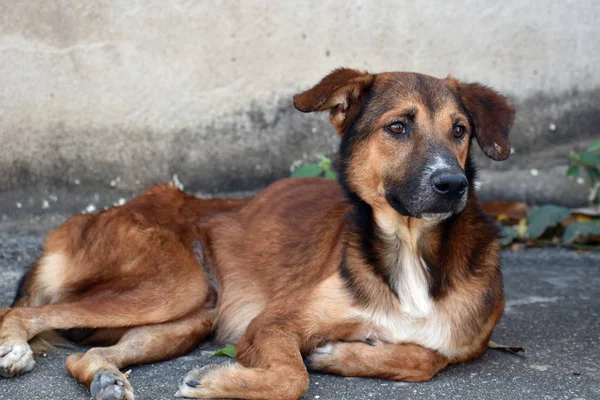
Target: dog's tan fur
(291, 272)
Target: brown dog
(394, 273)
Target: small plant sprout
(322, 169)
(588, 161)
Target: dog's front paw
(200, 383)
(15, 359)
(108, 386)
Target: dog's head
(406, 136)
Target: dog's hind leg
(149, 303)
(99, 368)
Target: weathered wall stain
(141, 90)
(259, 146)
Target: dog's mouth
(429, 208)
(435, 217)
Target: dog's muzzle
(436, 197)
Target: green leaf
(507, 235)
(573, 171)
(595, 146)
(227, 351)
(593, 173)
(329, 174)
(589, 158)
(544, 217)
(582, 232)
(325, 162)
(574, 156)
(307, 171)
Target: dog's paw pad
(107, 386)
(15, 359)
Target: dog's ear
(492, 115)
(340, 92)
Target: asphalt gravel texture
(552, 309)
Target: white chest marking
(433, 331)
(415, 317)
(412, 286)
(408, 271)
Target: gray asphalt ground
(553, 310)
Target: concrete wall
(139, 90)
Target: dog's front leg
(269, 366)
(399, 362)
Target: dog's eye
(459, 131)
(396, 128)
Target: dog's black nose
(449, 185)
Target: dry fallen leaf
(510, 349)
(508, 212)
(576, 218)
